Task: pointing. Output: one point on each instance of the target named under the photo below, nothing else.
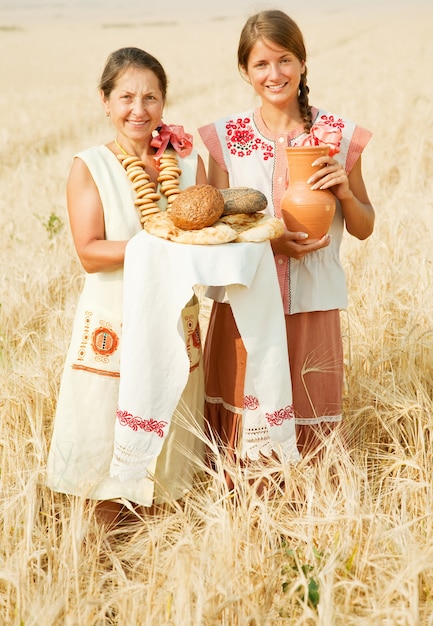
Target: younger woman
(248, 150)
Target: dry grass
(349, 542)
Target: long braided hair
(279, 28)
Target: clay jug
(304, 209)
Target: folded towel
(159, 276)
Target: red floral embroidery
(278, 417)
(331, 121)
(242, 142)
(137, 423)
(251, 403)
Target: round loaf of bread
(196, 207)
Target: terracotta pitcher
(304, 209)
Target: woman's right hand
(293, 245)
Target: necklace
(146, 195)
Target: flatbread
(254, 227)
(161, 225)
(242, 227)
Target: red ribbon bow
(170, 133)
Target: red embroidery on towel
(150, 425)
(251, 403)
(278, 417)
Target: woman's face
(135, 104)
(274, 72)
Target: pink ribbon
(322, 133)
(176, 136)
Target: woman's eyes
(263, 64)
(128, 98)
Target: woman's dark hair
(278, 27)
(124, 58)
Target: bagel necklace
(146, 194)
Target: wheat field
(347, 542)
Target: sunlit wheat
(348, 541)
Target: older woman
(109, 190)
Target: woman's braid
(304, 105)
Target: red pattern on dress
(104, 340)
(241, 139)
(137, 423)
(195, 337)
(331, 121)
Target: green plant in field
(292, 569)
(53, 225)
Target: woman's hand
(331, 175)
(350, 189)
(294, 245)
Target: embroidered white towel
(159, 276)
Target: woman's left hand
(330, 175)
(358, 212)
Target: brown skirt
(316, 366)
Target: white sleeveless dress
(83, 435)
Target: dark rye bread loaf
(243, 200)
